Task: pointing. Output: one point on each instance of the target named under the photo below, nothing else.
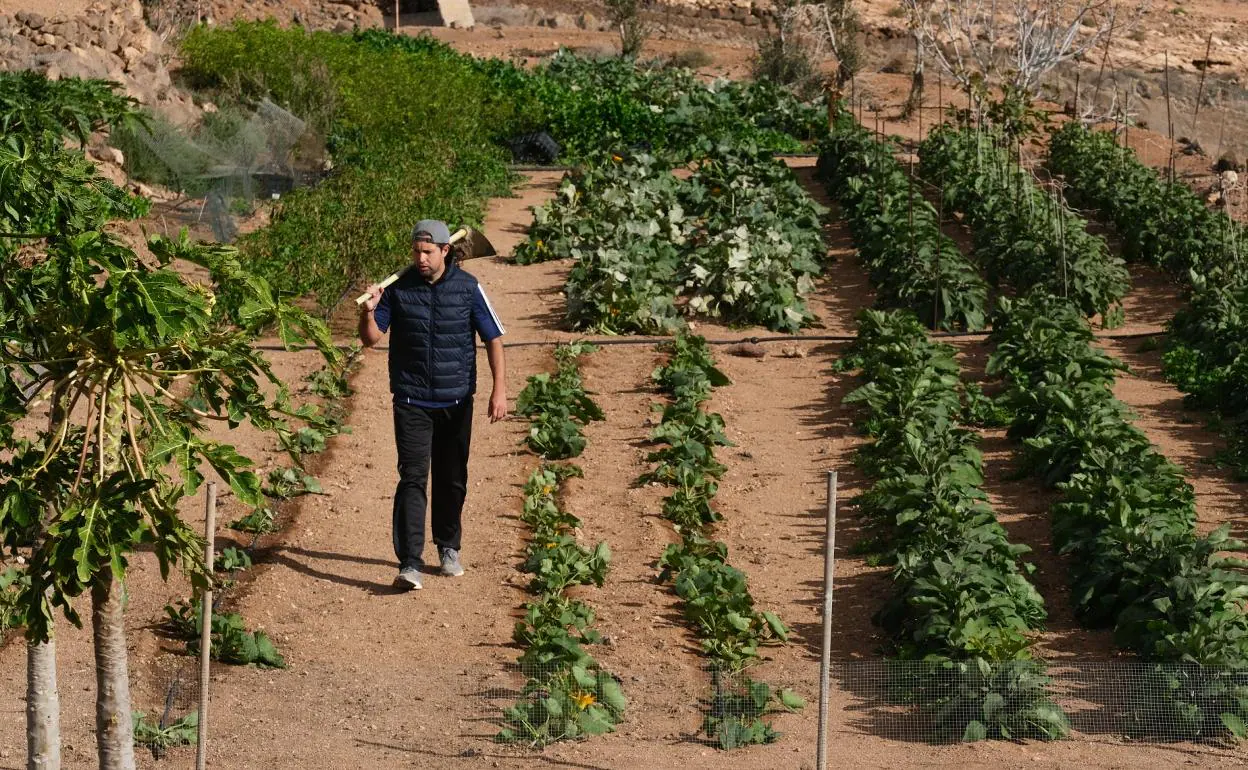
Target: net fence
(1127, 702)
(224, 165)
(914, 701)
(535, 704)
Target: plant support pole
(825, 661)
(205, 618)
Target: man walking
(433, 312)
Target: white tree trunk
(43, 707)
(114, 731)
(43, 697)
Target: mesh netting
(918, 702)
(230, 161)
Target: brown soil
(379, 679)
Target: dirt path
(1180, 434)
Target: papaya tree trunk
(114, 730)
(43, 707)
(43, 696)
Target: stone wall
(109, 41)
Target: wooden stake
(1169, 119)
(205, 638)
(825, 658)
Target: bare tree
(828, 28)
(1014, 42)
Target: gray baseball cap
(433, 230)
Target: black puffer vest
(433, 354)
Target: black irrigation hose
(607, 341)
(564, 167)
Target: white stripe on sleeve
(497, 321)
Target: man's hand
(369, 333)
(374, 297)
(498, 405)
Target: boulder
(31, 19)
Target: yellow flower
(583, 700)
(551, 545)
(617, 158)
(539, 243)
(546, 490)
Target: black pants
(437, 440)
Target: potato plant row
(715, 596)
(1166, 224)
(567, 694)
(1023, 235)
(1126, 522)
(739, 240)
(910, 261)
(963, 607)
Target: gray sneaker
(450, 563)
(408, 579)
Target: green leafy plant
(104, 473)
(910, 261)
(1127, 521)
(285, 483)
(232, 559)
(715, 596)
(559, 562)
(734, 717)
(566, 696)
(558, 406)
(1023, 235)
(578, 703)
(1165, 223)
(180, 732)
(963, 606)
(261, 521)
(11, 585)
(739, 240)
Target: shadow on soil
(278, 555)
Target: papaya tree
(112, 367)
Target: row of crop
(1023, 235)
(567, 694)
(739, 240)
(1126, 520)
(1166, 224)
(715, 596)
(963, 606)
(910, 261)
